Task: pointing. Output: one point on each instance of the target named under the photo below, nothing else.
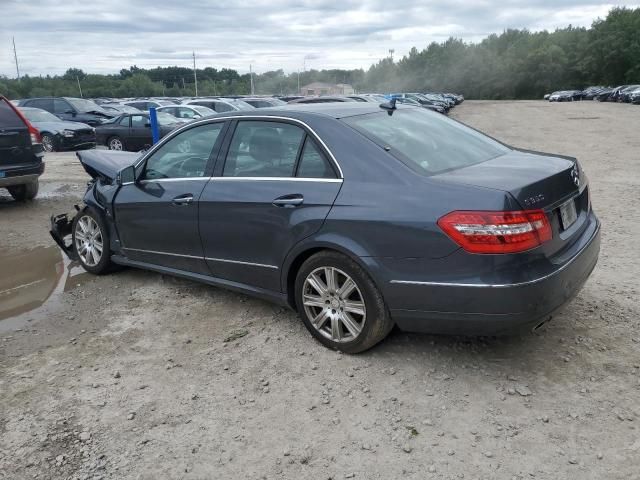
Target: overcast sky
(103, 36)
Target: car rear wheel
(48, 142)
(115, 143)
(339, 303)
(91, 241)
(24, 192)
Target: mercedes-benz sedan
(359, 216)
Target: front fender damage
(60, 231)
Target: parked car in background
(624, 95)
(221, 105)
(288, 98)
(132, 131)
(58, 135)
(380, 215)
(634, 97)
(603, 95)
(71, 109)
(424, 99)
(566, 96)
(187, 112)
(263, 102)
(145, 105)
(21, 153)
(118, 109)
(322, 99)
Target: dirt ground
(140, 376)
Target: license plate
(568, 214)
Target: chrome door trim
(162, 253)
(223, 260)
(238, 262)
(278, 179)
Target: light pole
(391, 52)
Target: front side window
(263, 149)
(185, 113)
(222, 107)
(427, 142)
(184, 156)
(124, 122)
(139, 121)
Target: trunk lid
(536, 181)
(105, 163)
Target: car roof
(333, 110)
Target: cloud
(103, 37)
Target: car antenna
(389, 106)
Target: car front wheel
(48, 143)
(340, 304)
(91, 241)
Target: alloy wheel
(89, 241)
(47, 143)
(334, 304)
(115, 144)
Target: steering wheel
(192, 167)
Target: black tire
(113, 141)
(377, 322)
(23, 193)
(48, 142)
(104, 265)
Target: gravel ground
(137, 375)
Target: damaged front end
(61, 232)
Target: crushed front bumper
(61, 233)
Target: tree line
(516, 64)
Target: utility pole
(79, 87)
(15, 55)
(251, 75)
(391, 52)
(195, 75)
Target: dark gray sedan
(358, 216)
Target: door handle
(183, 199)
(289, 201)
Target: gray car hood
(105, 163)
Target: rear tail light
(497, 232)
(34, 134)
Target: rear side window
(313, 163)
(427, 142)
(8, 117)
(263, 149)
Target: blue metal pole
(155, 129)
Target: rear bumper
(20, 175)
(500, 308)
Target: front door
(275, 188)
(157, 216)
(140, 133)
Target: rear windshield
(8, 117)
(427, 142)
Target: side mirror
(147, 125)
(71, 112)
(126, 175)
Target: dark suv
(71, 109)
(21, 153)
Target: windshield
(166, 119)
(83, 106)
(37, 115)
(204, 111)
(427, 142)
(240, 105)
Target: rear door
(274, 188)
(157, 216)
(15, 140)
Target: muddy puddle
(32, 281)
